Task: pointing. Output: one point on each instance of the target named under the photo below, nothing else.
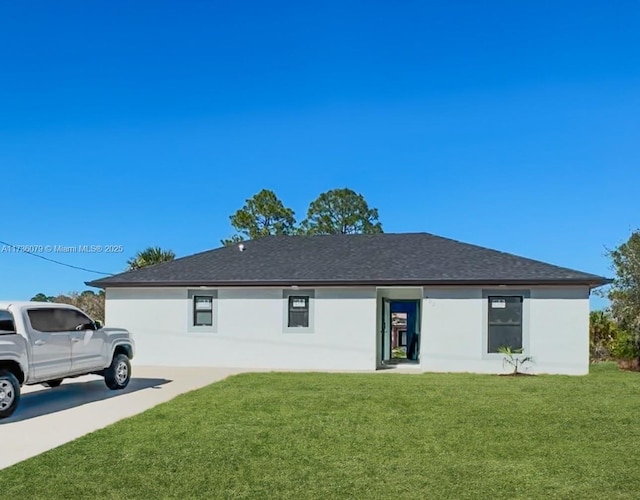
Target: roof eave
(590, 282)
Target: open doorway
(400, 335)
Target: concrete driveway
(47, 418)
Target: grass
(311, 435)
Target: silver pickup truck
(44, 343)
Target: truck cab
(44, 343)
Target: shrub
(603, 332)
(626, 350)
(625, 346)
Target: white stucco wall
(556, 324)
(560, 330)
(249, 330)
(345, 333)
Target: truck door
(87, 342)
(50, 343)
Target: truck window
(56, 320)
(7, 325)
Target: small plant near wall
(513, 358)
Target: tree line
(89, 301)
(614, 332)
(337, 211)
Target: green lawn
(371, 436)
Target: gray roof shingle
(376, 259)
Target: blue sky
(502, 124)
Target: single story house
(326, 303)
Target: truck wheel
(9, 393)
(118, 374)
(52, 383)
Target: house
(327, 303)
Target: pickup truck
(44, 343)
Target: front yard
(304, 435)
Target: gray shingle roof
(380, 259)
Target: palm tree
(149, 257)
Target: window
(202, 310)
(505, 323)
(298, 311)
(58, 320)
(7, 325)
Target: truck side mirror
(98, 324)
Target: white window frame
(310, 294)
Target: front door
(50, 344)
(413, 331)
(386, 331)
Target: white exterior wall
(451, 331)
(345, 334)
(250, 329)
(555, 324)
(560, 330)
